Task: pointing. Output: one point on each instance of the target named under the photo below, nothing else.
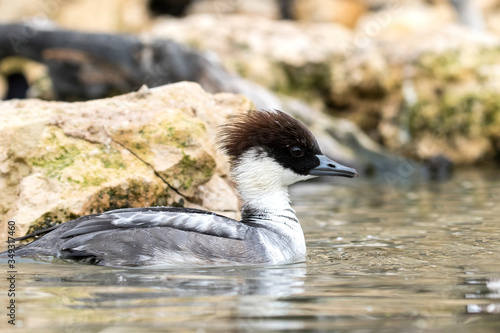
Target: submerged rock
(153, 147)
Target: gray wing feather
(208, 224)
(137, 237)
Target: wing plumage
(147, 236)
(193, 220)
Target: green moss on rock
(311, 81)
(130, 193)
(51, 219)
(56, 157)
(192, 171)
(174, 129)
(75, 161)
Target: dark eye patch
(301, 164)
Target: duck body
(164, 236)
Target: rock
(439, 167)
(109, 16)
(261, 8)
(285, 56)
(299, 67)
(469, 14)
(345, 12)
(397, 19)
(153, 147)
(426, 93)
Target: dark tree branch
(88, 65)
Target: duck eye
(296, 151)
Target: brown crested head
(273, 133)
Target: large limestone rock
(153, 147)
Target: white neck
(263, 187)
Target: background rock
(420, 92)
(345, 12)
(429, 92)
(286, 57)
(153, 147)
(95, 16)
(262, 8)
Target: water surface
(421, 257)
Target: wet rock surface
(153, 147)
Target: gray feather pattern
(151, 236)
(209, 224)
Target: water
(424, 257)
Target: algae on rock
(61, 160)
